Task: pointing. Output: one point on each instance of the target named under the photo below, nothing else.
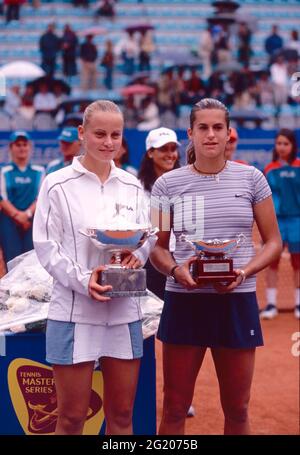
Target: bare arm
(163, 261)
(8, 208)
(266, 221)
(18, 216)
(265, 218)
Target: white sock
(297, 296)
(272, 296)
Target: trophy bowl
(123, 238)
(115, 242)
(213, 264)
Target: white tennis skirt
(68, 343)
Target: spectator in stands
(69, 43)
(194, 88)
(294, 42)
(122, 158)
(223, 318)
(180, 86)
(128, 49)
(12, 100)
(50, 45)
(283, 175)
(292, 48)
(265, 91)
(59, 93)
(107, 62)
(215, 87)
(222, 45)
(130, 112)
(105, 8)
(27, 107)
(26, 111)
(244, 36)
(20, 183)
(244, 90)
(84, 3)
(273, 43)
(44, 100)
(166, 97)
(148, 114)
(206, 48)
(88, 57)
(280, 80)
(147, 47)
(70, 145)
(13, 9)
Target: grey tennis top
(209, 207)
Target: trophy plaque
(115, 242)
(213, 263)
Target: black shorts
(211, 320)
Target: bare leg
(272, 274)
(234, 369)
(181, 365)
(73, 388)
(120, 382)
(2, 264)
(272, 277)
(295, 261)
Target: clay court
(274, 405)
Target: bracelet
(172, 272)
(29, 214)
(243, 274)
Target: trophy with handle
(122, 236)
(213, 263)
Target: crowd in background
(226, 71)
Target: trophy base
(213, 271)
(125, 282)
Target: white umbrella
(21, 69)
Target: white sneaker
(297, 312)
(269, 312)
(191, 412)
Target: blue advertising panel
(255, 146)
(28, 398)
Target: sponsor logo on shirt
(23, 180)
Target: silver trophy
(115, 240)
(213, 263)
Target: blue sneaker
(269, 312)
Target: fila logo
(252, 332)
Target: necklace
(209, 173)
